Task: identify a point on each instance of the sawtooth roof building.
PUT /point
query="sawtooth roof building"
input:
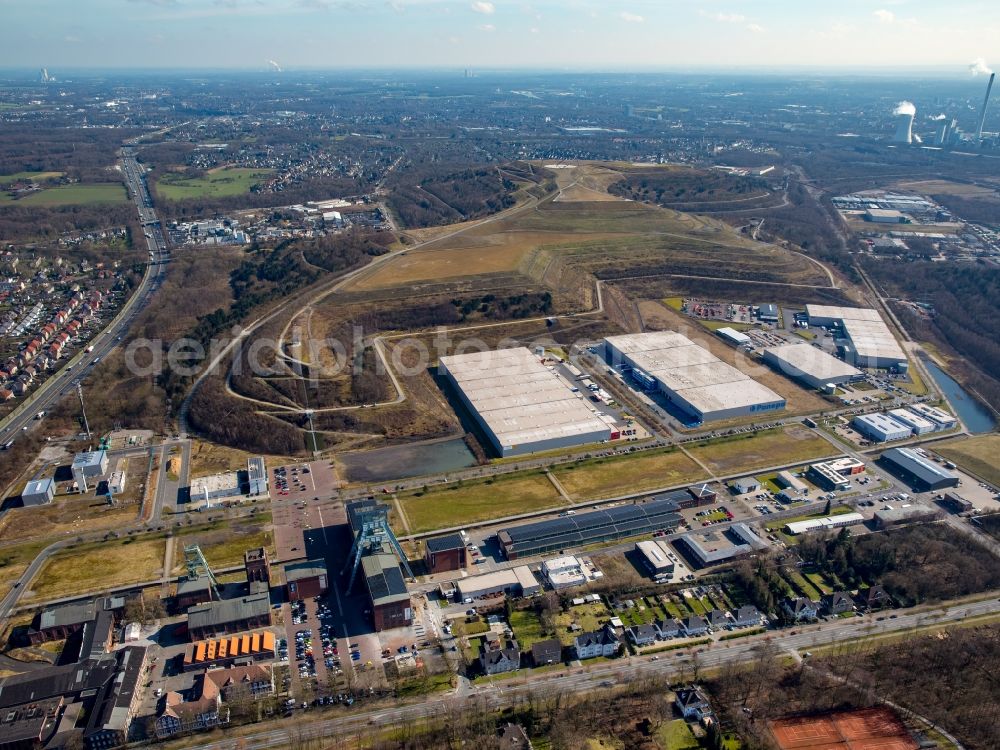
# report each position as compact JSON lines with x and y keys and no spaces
{"x":521,"y":405}
{"x":691,"y":377}
{"x":581,"y":529}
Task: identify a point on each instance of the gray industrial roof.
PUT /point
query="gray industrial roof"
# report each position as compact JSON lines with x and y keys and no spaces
{"x":520,"y":400}
{"x":89,"y":459}
{"x":920,"y":467}
{"x":447,"y":542}
{"x":811,"y":361}
{"x":569,"y":531}
{"x":67,"y":614}
{"x":308,"y":569}
{"x":385,"y":579}
{"x":211,"y":614}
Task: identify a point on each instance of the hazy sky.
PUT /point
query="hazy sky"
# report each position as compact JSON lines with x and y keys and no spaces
{"x":497,"y":33}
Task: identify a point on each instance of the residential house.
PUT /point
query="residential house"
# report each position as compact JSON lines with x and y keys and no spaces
{"x":500,"y":660}
{"x":747,"y":616}
{"x":179,"y":715}
{"x":546,"y":652}
{"x":694,"y":625}
{"x":717,"y":619}
{"x":252,"y":681}
{"x":642,"y":635}
{"x":838,"y":602}
{"x":601,"y":642}
{"x":668,"y":628}
{"x":692,"y":703}
{"x":800,"y":608}
{"x":875,"y":597}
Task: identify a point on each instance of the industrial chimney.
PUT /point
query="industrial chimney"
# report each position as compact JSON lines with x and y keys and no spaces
{"x":986,"y":102}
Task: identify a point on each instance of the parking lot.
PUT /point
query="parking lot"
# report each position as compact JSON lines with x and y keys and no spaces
{"x":307,"y":479}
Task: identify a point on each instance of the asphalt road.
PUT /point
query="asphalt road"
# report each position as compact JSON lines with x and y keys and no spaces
{"x":52,"y":390}
{"x":60,"y":384}
{"x":334,"y":723}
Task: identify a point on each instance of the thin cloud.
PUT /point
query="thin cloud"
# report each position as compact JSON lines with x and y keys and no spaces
{"x":483,"y":7}
{"x":756,"y":28}
{"x":487,"y":27}
{"x":884,"y":16}
{"x":631,"y":17}
{"x":725,"y":17}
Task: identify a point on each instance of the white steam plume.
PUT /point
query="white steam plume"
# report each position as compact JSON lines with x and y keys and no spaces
{"x":979,"y":66}
{"x":905,"y":108}
{"x":940,"y":117}
{"x":274,"y":66}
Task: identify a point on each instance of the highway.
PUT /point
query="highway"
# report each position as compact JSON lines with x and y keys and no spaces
{"x":332,"y":723}
{"x":61,"y":383}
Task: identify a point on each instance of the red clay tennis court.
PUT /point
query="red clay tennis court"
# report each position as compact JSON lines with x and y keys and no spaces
{"x":864,"y":729}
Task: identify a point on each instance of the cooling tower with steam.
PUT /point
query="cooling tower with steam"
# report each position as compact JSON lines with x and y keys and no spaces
{"x":904,"y":114}
{"x":986,"y":103}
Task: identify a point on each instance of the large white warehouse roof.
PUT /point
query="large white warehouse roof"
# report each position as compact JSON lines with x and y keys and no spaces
{"x":692,"y":375}
{"x":811,"y":363}
{"x":520,"y":400}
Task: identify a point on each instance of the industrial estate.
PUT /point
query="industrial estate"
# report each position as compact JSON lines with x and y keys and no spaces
{"x":500,"y":410}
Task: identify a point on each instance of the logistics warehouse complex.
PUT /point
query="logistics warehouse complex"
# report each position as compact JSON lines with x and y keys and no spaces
{"x":521,"y":405}
{"x":690,"y":376}
{"x":811,"y":365}
{"x":867,"y":340}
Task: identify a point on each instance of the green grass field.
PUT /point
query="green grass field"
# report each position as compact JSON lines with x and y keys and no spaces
{"x":71,"y":195}
{"x":99,"y":567}
{"x":220,"y":183}
{"x":779,"y":447}
{"x":977,"y":454}
{"x":36,"y":176}
{"x":634,"y":472}
{"x":676,"y":735}
{"x":527,"y":627}
{"x":455,"y":505}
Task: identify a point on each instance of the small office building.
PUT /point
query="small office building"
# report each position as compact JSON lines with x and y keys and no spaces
{"x":306,"y":580}
{"x":881,"y":427}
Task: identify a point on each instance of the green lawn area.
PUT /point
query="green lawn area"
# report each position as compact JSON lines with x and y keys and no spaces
{"x":799,"y":581}
{"x":588,"y":616}
{"x":672,"y":609}
{"x":620,"y":475}
{"x":71,"y":195}
{"x":676,"y":735}
{"x":770,"y":482}
{"x":99,"y":566}
{"x":462,"y":628}
{"x":455,"y":504}
{"x":36,"y":176}
{"x":641,"y":614}
{"x":695,"y":605}
{"x":217,"y":183}
{"x":230,"y":551}
{"x":818,"y":582}
{"x":674,"y":303}
{"x":777,"y":447}
{"x":977,"y":454}
{"x":527,"y":627}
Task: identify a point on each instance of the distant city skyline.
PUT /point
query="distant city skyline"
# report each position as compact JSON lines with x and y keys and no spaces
{"x":571,"y":34}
